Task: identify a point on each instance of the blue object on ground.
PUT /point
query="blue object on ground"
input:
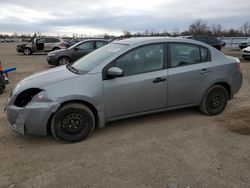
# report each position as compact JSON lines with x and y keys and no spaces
{"x":9,"y":69}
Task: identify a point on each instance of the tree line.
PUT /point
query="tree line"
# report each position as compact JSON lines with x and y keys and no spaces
{"x":200,"y":27}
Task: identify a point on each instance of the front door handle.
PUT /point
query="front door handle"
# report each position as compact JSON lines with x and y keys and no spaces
{"x":159,"y":79}
{"x":204,"y":71}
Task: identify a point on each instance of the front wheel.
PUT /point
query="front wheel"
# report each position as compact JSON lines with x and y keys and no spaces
{"x":1,"y":89}
{"x":27,"y":51}
{"x":73,"y":123}
{"x":214,"y":101}
{"x":63,"y":61}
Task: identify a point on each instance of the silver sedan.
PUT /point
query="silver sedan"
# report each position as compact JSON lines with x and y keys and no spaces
{"x":123,"y":79}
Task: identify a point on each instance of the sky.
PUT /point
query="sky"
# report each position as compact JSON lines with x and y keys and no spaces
{"x":92,"y":17}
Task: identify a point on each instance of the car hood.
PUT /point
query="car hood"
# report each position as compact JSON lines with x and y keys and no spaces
{"x":22,"y":45}
{"x":247,"y":48}
{"x":58,"y":51}
{"x":44,"y":78}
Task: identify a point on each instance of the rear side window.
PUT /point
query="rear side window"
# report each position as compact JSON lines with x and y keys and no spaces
{"x":187,"y":54}
{"x":56,"y":40}
{"x":212,"y":41}
{"x":205,"y":55}
{"x":49,"y":40}
{"x":100,"y":44}
{"x":202,"y":39}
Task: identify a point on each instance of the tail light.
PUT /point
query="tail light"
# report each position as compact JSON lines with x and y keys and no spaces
{"x":238,"y":65}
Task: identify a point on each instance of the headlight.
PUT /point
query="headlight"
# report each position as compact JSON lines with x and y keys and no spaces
{"x":51,"y":54}
{"x":40,"y":97}
{"x":31,"y":95}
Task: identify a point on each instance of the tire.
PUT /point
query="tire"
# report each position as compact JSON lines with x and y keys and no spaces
{"x":214,"y":101}
{"x":1,"y":89}
{"x":27,"y":51}
{"x":63,"y":61}
{"x":56,"y":48}
{"x":72,"y":123}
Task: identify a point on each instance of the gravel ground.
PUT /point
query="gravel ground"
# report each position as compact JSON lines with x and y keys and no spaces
{"x":182,"y":147}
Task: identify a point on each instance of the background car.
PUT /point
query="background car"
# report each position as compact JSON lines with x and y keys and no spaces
{"x":213,"y":41}
{"x":123,"y":79}
{"x":245,"y":44}
{"x":41,"y":44}
{"x":246,"y":53}
{"x":71,"y":54}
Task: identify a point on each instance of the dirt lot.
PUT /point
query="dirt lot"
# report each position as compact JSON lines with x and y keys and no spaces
{"x":182,"y":147}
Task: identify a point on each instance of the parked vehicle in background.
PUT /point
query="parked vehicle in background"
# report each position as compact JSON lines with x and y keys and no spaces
{"x":213,"y":41}
{"x":245,"y":44}
{"x":41,"y":44}
{"x":246,"y":53}
{"x":71,"y":54}
{"x":123,"y":79}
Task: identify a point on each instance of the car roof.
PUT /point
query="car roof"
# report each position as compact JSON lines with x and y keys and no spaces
{"x":145,"y":40}
{"x":95,"y":40}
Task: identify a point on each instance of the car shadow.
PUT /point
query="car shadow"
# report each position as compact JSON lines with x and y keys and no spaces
{"x":143,"y":120}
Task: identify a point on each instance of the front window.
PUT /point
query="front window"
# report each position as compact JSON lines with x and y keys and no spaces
{"x":86,"y":45}
{"x":143,"y":59}
{"x":97,"y":57}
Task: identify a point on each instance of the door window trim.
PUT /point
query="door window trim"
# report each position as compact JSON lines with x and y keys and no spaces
{"x":186,"y":43}
{"x":165,"y":59}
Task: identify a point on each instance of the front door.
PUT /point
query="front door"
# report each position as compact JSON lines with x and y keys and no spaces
{"x":84,"y":49}
{"x":144,"y":84}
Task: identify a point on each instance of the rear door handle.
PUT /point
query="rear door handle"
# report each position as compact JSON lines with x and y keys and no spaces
{"x":204,"y":71}
{"x":159,"y":79}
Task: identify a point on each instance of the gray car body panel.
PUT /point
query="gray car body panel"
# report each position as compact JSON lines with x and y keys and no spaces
{"x":122,"y":97}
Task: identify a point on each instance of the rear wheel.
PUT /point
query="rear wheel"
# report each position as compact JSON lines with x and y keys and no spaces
{"x":214,"y":101}
{"x":27,"y":51}
{"x":63,"y":61}
{"x":73,"y":123}
{"x":1,"y":89}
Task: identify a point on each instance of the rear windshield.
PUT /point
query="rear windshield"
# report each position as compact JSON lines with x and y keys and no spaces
{"x":97,"y":57}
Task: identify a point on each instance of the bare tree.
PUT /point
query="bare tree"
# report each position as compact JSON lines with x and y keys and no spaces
{"x":198,"y":27}
{"x":245,"y":28}
{"x":217,"y":30}
{"x":39,"y":33}
{"x":127,"y":34}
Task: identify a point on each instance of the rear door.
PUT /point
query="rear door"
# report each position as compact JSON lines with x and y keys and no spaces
{"x":188,"y":73}
{"x":48,"y":45}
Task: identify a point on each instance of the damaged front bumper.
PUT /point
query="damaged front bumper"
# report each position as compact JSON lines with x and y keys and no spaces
{"x":31,"y":119}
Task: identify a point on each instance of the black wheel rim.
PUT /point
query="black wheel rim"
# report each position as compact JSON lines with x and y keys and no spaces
{"x":216,"y":100}
{"x":73,"y":124}
{"x":27,"y":51}
{"x":63,"y":61}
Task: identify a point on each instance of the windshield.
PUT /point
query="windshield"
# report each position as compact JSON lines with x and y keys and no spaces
{"x":95,"y":58}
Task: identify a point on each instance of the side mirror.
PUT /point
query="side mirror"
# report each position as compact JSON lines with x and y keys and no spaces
{"x":114,"y":72}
